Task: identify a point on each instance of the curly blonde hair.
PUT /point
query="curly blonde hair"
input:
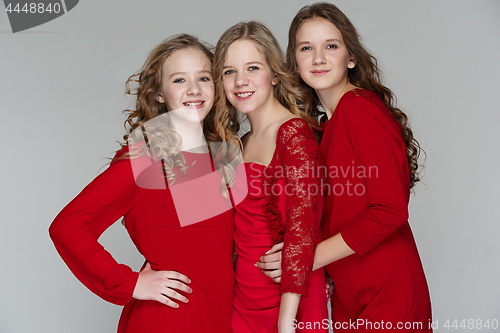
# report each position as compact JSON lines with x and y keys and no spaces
{"x":365,"y":74}
{"x":287,"y":91}
{"x":161,"y":140}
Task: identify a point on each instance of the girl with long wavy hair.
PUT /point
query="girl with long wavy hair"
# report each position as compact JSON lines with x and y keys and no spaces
{"x":187,"y":282}
{"x":283,"y":202}
{"x":371,"y":159}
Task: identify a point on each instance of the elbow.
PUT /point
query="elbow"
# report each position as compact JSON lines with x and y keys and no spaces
{"x":56,"y":230}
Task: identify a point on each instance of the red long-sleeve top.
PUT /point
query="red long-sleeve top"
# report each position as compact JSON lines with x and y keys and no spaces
{"x":366,"y":201}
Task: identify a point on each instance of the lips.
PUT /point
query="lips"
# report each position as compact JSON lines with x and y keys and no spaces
{"x":196,"y":104}
{"x":244,"y":95}
{"x":320,"y":72}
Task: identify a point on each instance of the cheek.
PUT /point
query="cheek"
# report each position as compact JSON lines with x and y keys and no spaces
{"x":263,"y":81}
{"x":301,"y":61}
{"x":227,"y":84}
{"x":210,"y":91}
{"x":172,"y":93}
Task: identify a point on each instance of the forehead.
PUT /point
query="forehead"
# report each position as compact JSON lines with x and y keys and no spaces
{"x":186,"y":60}
{"x":317,"y":29}
{"x":244,"y":51}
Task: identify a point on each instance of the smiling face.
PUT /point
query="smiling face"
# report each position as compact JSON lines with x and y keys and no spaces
{"x":247,"y":78}
{"x":322,"y":57}
{"x":187,"y":82}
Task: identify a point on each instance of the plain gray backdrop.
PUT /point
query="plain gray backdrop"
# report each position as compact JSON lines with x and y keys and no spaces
{"x":62,"y":93}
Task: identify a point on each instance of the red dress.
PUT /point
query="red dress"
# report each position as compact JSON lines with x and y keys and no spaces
{"x":366,"y":200}
{"x":202,"y":251}
{"x":279,"y":208}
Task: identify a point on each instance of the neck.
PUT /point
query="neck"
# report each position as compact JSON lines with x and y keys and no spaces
{"x":185,"y":122}
{"x":192,"y":137}
{"x":330,"y":98}
{"x":264,"y":116}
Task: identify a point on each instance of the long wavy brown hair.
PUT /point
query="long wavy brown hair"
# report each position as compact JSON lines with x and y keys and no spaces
{"x":287,"y":91}
{"x":365,"y":74}
{"x":162,"y":141}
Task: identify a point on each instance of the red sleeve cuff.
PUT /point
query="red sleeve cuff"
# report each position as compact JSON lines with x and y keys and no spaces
{"x":121,"y":280}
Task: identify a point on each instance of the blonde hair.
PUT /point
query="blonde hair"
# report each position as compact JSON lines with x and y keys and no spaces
{"x":162,"y":141}
{"x":286,"y":91}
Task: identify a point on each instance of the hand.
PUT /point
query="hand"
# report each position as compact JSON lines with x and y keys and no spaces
{"x":270,"y":264}
{"x":159,"y":286}
{"x":329,"y":287}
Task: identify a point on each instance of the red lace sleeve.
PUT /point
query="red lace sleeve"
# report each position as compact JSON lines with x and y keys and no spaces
{"x":300,"y":157}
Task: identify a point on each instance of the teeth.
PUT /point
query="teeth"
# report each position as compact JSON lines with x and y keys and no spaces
{"x":193,"y":104}
{"x":245,"y":95}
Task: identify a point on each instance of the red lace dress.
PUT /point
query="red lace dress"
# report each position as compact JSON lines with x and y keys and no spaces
{"x":202,"y":251}
{"x":283,"y":204}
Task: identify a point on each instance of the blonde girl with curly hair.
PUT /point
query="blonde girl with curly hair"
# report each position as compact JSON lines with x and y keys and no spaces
{"x":283,"y":204}
{"x":186,"y":284}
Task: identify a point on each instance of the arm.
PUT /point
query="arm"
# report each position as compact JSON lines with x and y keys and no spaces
{"x":77,"y":227}
{"x":375,"y":143}
{"x":330,"y":250}
{"x":300,"y":156}
{"x":288,"y":311}
{"x":76,"y":230}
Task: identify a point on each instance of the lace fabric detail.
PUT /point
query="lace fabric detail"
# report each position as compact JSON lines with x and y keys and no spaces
{"x":297,"y":162}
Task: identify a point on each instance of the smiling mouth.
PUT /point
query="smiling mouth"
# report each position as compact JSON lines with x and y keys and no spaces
{"x":194,"y":104}
{"x":244,"y":95}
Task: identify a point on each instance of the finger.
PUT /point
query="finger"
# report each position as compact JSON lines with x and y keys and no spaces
{"x":271,"y":257}
{"x":172,"y":294}
{"x":175,"y":284}
{"x":276,"y":248}
{"x":272,"y":274}
{"x":268,"y":265}
{"x":177,"y":276}
{"x":167,"y":301}
{"x":277,"y":280}
{"x":147,"y":267}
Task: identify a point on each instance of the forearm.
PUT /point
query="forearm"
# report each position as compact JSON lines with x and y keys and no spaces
{"x":288,"y":311}
{"x":330,"y":250}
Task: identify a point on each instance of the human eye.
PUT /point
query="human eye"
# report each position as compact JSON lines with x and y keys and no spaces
{"x":205,"y":79}
{"x":332,"y":46}
{"x":179,"y":80}
{"x":229,"y":71}
{"x":253,"y":68}
{"x":305,"y":48}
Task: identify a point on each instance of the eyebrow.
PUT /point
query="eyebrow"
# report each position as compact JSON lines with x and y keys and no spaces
{"x":183,"y":73}
{"x":328,"y":40}
{"x":248,"y":63}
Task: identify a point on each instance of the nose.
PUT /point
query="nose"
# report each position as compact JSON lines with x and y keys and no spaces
{"x":241,"y":79}
{"x":194,"y":89}
{"x":319,"y":58}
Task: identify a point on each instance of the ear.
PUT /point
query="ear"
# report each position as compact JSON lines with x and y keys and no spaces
{"x":275,"y":79}
{"x":160,"y":98}
{"x":352,"y":63}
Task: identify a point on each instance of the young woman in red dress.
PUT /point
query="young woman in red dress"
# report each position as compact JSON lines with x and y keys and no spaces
{"x":371,"y":161}
{"x":283,"y":202}
{"x":187,"y":284}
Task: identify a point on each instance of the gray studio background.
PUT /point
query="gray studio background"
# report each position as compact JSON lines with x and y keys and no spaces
{"x":62,"y":93}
